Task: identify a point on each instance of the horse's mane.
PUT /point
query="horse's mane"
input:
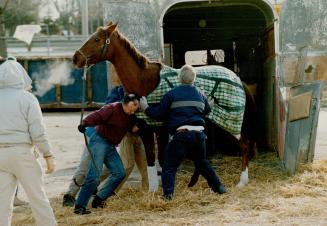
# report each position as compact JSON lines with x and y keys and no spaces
{"x":139,"y":58}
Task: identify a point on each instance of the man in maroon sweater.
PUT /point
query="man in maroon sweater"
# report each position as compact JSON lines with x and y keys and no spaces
{"x":105,"y":129}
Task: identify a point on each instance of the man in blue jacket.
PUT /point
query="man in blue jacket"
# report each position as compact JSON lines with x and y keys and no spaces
{"x":184,"y":109}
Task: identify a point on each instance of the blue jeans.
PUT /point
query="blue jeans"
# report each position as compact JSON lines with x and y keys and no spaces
{"x":103,"y":152}
{"x":189,"y":144}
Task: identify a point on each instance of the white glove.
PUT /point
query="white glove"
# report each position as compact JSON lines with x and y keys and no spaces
{"x":50,"y":164}
{"x":211,"y":101}
{"x":36,"y":153}
{"x":143,"y":103}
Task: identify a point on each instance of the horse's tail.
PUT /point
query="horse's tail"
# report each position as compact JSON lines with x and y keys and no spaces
{"x":251,"y":105}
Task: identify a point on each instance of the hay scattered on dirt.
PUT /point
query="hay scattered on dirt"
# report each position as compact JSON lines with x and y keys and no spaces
{"x":271,"y":198}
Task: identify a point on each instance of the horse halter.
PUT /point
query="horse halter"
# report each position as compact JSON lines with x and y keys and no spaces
{"x":85,"y":57}
{"x":106,"y":45}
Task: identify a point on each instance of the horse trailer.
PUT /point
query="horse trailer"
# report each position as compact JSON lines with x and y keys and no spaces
{"x":278,"y":47}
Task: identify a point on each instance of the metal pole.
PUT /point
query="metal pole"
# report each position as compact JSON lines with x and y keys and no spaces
{"x":48,"y":39}
{"x":85,"y":18}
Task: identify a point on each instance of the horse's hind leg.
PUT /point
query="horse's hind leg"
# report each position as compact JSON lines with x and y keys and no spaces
{"x":162,"y":137}
{"x":194,"y":178}
{"x":244,"y":147}
{"x":148,"y":142}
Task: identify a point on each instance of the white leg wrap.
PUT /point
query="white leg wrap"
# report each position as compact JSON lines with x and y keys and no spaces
{"x":244,"y":179}
{"x":153,"y":178}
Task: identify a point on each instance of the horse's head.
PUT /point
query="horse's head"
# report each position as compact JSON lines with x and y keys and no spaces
{"x":96,"y":48}
{"x":137,"y":74}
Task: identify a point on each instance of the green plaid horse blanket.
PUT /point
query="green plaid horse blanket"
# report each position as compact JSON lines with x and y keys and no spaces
{"x":215,"y":81}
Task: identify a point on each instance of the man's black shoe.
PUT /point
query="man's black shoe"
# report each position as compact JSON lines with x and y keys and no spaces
{"x":168,"y":197}
{"x":221,"y":189}
{"x":98,"y":202}
{"x":81,"y":210}
{"x":68,"y":200}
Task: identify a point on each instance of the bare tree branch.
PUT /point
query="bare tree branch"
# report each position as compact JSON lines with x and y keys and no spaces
{"x":56,"y":4}
{"x":2,"y":9}
{"x":5,"y":6}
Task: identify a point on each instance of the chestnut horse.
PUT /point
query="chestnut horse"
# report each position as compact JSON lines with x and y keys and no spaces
{"x":137,"y":74}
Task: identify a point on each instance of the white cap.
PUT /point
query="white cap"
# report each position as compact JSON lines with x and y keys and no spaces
{"x":187,"y":74}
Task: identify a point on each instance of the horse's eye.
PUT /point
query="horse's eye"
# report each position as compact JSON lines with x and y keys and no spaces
{"x":97,"y":39}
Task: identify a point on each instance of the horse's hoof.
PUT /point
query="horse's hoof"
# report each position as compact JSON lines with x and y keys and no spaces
{"x":240,"y":185}
{"x":244,"y":179}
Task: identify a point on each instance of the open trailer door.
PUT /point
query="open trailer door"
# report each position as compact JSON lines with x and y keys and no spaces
{"x":301,"y":124}
{"x":300,"y":38}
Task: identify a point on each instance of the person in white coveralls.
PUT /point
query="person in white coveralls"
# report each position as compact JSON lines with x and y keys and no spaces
{"x":21,"y":129}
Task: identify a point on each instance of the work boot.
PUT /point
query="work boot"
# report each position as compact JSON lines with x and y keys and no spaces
{"x":168,"y":197}
{"x":18,"y":202}
{"x":221,"y":189}
{"x":80,"y":210}
{"x":68,"y":200}
{"x":98,"y":202}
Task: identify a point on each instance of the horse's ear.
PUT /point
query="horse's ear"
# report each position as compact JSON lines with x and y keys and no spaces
{"x":109,"y":23}
{"x":113,"y":27}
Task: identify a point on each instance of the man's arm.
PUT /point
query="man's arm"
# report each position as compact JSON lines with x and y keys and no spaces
{"x":208,"y":104}
{"x":161,"y":110}
{"x":98,"y":117}
{"x":116,"y":95}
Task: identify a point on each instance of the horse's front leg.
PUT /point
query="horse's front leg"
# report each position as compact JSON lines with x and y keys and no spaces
{"x":244,"y":178}
{"x":149,"y":145}
{"x":244,"y":147}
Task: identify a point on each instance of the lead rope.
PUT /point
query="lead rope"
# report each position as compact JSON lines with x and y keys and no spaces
{"x":81,"y":120}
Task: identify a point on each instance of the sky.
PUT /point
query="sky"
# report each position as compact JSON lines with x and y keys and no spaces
{"x":49,"y":9}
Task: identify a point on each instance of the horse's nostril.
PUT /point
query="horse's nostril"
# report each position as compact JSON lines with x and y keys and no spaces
{"x":78,"y":59}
